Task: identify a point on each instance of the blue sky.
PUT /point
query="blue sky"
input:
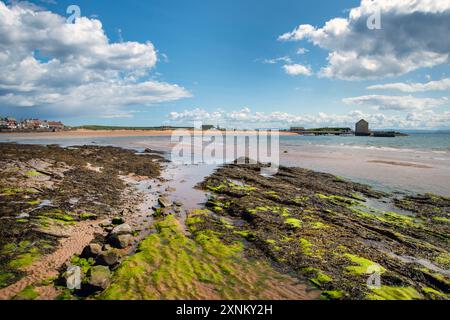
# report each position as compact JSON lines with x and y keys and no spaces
{"x":218,"y":52}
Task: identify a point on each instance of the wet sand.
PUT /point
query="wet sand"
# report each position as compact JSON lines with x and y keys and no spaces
{"x":390,"y":170}
{"x":401,"y":164}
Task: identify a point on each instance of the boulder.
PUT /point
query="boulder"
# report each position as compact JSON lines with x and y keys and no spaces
{"x":105,"y":223}
{"x":99,"y":277}
{"x":122,"y":229}
{"x":178,"y":203}
{"x":177,"y":209}
{"x":92,"y":250}
{"x":108,"y":258}
{"x":164,"y":202}
{"x":73,"y":278}
{"x":121,"y":241}
{"x":118,"y":221}
{"x":148,"y":150}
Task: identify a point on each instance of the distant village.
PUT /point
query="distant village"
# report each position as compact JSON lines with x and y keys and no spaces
{"x":10,"y":124}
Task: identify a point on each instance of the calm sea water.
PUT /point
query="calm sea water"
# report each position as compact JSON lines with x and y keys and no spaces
{"x":439,"y":142}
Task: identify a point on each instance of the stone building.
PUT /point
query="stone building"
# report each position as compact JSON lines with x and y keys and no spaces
{"x":362,"y":128}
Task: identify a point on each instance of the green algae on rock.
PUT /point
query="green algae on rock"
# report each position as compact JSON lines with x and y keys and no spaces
{"x":394,"y":293}
{"x":363,"y":266}
{"x":46,"y":190}
{"x":328,"y":233}
{"x":28,"y":293}
{"x":171,"y":265}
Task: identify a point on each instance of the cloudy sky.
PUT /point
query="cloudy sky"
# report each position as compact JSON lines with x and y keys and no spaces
{"x":252,"y":63}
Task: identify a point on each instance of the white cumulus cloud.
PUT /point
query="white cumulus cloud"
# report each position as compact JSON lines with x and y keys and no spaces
{"x":301,"y":51}
{"x":245,"y":119}
{"x":413,"y":35}
{"x":73,"y":69}
{"x":396,"y":103}
{"x":284,"y":59}
{"x":297,"y":69}
{"x":439,"y":85}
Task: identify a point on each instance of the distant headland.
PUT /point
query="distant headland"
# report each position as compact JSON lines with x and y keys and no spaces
{"x":11,"y":125}
{"x":361,"y":130}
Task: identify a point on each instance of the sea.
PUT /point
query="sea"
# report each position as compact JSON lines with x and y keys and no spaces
{"x":415,"y":141}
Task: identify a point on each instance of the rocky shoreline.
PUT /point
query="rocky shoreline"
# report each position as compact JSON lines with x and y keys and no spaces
{"x":55,"y":201}
{"x":77,"y":224}
{"x":338,"y":234}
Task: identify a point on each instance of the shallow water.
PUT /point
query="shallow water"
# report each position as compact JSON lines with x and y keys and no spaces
{"x":386,"y":205}
{"x":416,"y":141}
{"x":184,"y":179}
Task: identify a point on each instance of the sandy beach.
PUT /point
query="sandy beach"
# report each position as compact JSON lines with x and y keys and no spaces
{"x":418,"y":171}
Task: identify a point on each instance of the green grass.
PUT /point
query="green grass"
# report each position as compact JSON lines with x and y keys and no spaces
{"x":96,"y":127}
{"x":337,"y":129}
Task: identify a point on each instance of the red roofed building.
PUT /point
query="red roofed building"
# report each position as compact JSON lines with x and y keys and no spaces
{"x":55,"y":125}
{"x":32,"y":124}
